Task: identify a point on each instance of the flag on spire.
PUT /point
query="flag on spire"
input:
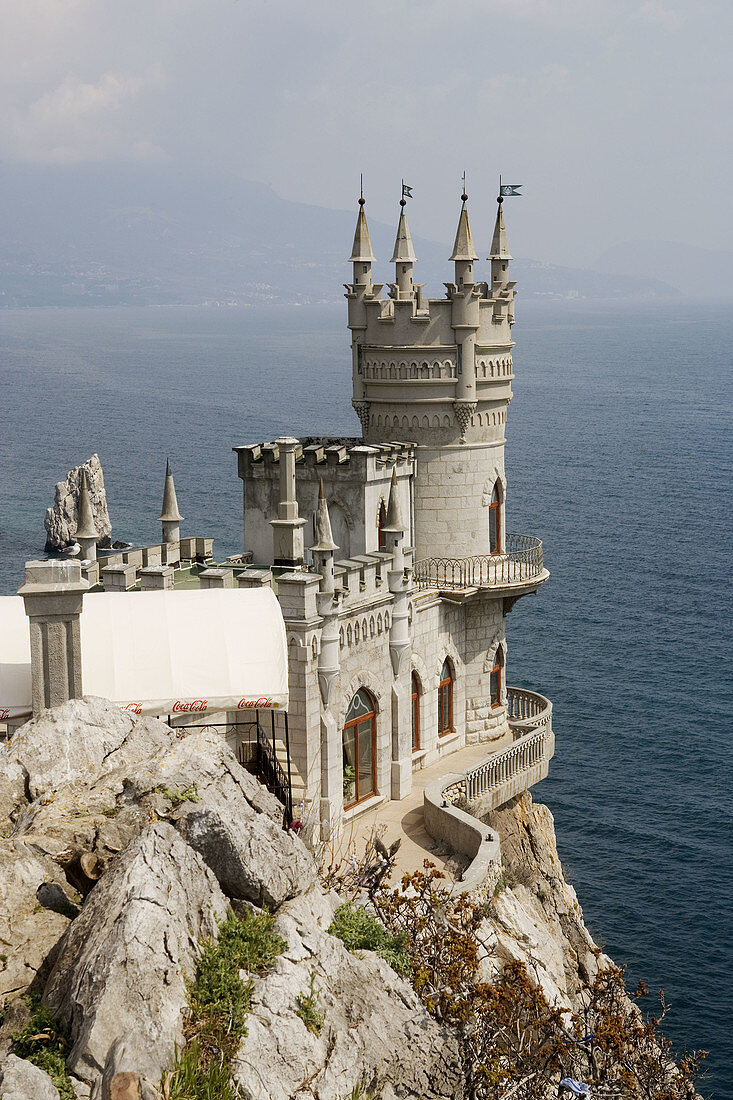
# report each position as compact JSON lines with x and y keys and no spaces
{"x":406,"y":191}
{"x":508,"y":190}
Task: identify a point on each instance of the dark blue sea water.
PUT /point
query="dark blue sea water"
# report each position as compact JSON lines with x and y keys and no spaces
{"x":618,"y":457}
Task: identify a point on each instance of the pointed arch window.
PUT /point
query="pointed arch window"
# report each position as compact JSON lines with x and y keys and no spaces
{"x":415,"y":681}
{"x":495,"y":520}
{"x":381,"y":524}
{"x":445,"y":699}
{"x":497,"y":673}
{"x":359,"y":747}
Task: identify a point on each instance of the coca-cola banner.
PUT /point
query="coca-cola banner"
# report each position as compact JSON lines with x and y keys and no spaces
{"x":184,"y":653}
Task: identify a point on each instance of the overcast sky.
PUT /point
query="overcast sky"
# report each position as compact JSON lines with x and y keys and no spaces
{"x":615,"y":115}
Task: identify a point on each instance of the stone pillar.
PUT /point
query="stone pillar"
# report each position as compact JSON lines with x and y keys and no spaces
{"x":218,"y":577}
{"x":53,"y":593}
{"x":401,"y":774}
{"x":288,"y":541}
{"x":255,"y":578}
{"x":118,"y":578}
{"x":156,"y":578}
{"x":331,"y":776}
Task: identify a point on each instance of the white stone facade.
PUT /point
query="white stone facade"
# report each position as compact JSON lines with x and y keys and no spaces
{"x":425,"y":484}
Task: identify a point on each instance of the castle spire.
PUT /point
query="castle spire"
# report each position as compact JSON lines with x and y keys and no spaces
{"x":463,"y":253}
{"x":324,"y":537}
{"x":361,"y":253}
{"x":170,"y":517}
{"x":403,"y":256}
{"x":86,"y":531}
{"x":500,"y":254}
{"x":395,"y":524}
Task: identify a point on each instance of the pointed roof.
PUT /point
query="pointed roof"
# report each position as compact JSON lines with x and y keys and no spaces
{"x":499,"y":246}
{"x":362,"y":249}
{"x":324,"y":536}
{"x":463,"y":248}
{"x":85,"y":526}
{"x":394,"y":512}
{"x":403,"y":250}
{"x":169,"y":512}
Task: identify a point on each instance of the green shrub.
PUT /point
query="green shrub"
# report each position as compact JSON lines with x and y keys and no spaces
{"x":218,"y":1005}
{"x":308,"y":1009}
{"x":45,"y":1043}
{"x":359,"y":931}
{"x":178,"y":795}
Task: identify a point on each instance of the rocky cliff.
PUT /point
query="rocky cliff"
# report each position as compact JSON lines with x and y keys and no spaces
{"x":131,"y":851}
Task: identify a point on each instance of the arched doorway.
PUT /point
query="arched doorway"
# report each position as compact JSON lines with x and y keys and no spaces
{"x":359,"y":742}
{"x":445,"y":699}
{"x":495,"y":520}
{"x":415,"y":682}
{"x":496,"y":677}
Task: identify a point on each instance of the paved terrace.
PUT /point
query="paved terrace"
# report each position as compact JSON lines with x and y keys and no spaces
{"x":405,"y":818}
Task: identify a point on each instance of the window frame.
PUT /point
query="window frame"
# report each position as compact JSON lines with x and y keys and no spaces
{"x":445,"y":686}
{"x":497,"y":670}
{"x":495,"y":508}
{"x":355,"y":723}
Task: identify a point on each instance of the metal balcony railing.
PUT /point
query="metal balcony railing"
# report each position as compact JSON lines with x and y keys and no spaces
{"x":521,"y":561}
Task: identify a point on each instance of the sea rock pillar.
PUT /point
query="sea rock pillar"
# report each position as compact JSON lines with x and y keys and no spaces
{"x":53,"y":593}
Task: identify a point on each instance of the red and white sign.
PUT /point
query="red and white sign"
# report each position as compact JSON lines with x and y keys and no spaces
{"x":256,"y":704}
{"x":197,"y":706}
{"x":4,"y":714}
{"x":136,"y":708}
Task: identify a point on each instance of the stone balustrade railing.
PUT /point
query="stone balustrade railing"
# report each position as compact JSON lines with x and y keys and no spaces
{"x":520,"y":562}
{"x":489,"y":784}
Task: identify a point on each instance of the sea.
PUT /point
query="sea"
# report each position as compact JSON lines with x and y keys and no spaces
{"x":618,"y":458}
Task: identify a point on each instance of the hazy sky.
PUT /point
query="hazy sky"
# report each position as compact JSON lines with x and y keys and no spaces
{"x":614,"y":114}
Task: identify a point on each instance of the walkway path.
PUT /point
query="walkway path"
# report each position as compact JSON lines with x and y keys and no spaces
{"x":405,"y":818}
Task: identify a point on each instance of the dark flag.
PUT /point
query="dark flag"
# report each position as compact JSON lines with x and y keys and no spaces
{"x":507,"y":190}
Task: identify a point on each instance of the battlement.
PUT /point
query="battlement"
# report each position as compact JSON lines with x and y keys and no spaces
{"x":358,"y":459}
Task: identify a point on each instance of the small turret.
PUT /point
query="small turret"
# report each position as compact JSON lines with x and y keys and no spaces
{"x":327,"y":601}
{"x":403,"y":257}
{"x":500,"y":254}
{"x":362,"y":256}
{"x":463,"y":253}
{"x":170,"y":517}
{"x":86,"y":531}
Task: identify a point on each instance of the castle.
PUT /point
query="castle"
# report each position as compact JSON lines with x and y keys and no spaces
{"x":393,"y":565}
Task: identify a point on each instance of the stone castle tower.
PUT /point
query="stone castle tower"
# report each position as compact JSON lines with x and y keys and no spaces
{"x":438,"y":372}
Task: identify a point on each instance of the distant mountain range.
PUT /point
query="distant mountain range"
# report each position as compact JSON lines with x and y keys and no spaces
{"x":121,"y":235}
{"x":695,"y":272}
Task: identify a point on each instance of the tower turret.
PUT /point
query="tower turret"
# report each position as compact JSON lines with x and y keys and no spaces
{"x":170,"y":517}
{"x":464,"y":295}
{"x":362,"y":256}
{"x":86,"y":531}
{"x":500,"y":254}
{"x":327,"y":602}
{"x":463,"y":253}
{"x":403,"y":258}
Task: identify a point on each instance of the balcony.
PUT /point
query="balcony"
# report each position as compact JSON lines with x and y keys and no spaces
{"x":519,"y":569}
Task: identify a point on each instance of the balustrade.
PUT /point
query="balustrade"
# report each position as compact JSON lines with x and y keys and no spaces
{"x":521,"y":561}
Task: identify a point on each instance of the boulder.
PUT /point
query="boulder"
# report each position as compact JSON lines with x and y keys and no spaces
{"x":28,"y":928}
{"x":121,"y":967}
{"x":21,"y":1080}
{"x":60,"y":521}
{"x":375,"y":1029}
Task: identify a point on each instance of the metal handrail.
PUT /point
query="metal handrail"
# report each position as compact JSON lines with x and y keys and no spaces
{"x":521,"y":561}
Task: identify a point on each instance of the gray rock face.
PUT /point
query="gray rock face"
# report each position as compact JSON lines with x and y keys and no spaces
{"x":28,"y":930}
{"x":60,"y":521}
{"x":21,"y":1080}
{"x":121,"y":966}
{"x":375,"y":1029}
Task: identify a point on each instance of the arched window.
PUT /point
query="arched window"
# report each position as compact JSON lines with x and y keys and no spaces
{"x":495,"y":521}
{"x":496,"y":676}
{"x":415,"y":712}
{"x":445,"y":700}
{"x":359,"y":749}
{"x":381,"y":524}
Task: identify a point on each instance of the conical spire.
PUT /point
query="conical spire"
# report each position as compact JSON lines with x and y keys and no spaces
{"x":499,"y":246}
{"x":169,"y":512}
{"x":394,"y":512}
{"x":324,"y":537}
{"x":463,"y":248}
{"x":85,"y":527}
{"x":403,"y":250}
{"x":362,"y":250}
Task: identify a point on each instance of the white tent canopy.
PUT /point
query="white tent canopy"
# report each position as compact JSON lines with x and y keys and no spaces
{"x":199,"y":652}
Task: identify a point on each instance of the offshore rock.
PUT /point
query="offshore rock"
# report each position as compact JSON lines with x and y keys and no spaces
{"x":60,"y":521}
{"x":122,"y":966}
{"x":375,"y":1031}
{"x":21,"y":1080}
